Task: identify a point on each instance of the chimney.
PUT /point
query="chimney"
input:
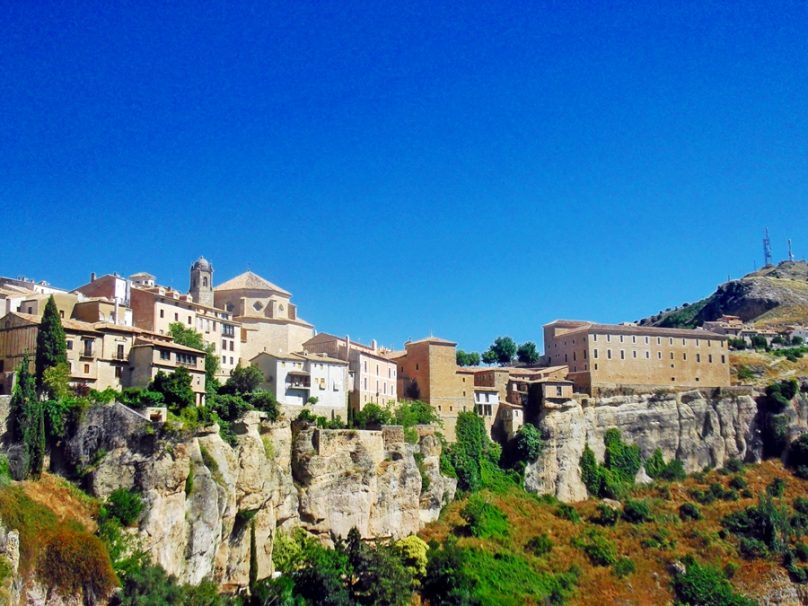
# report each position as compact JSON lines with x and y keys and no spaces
{"x":92,"y":277}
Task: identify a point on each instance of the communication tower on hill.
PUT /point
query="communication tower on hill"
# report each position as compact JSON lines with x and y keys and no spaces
{"x":767,"y":248}
{"x":790,"y":252}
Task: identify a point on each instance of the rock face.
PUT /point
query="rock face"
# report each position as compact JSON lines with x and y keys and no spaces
{"x":203,"y":497}
{"x":698,"y":429}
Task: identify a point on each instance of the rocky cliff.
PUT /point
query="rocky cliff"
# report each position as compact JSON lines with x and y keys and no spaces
{"x":202,"y":496}
{"x":699,"y":429}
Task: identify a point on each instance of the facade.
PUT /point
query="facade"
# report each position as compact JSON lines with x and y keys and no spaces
{"x":428,"y":371}
{"x":267,"y":316}
{"x":202,"y":282}
{"x":373,"y":377}
{"x":152,"y":354}
{"x":155,"y":308}
{"x":604,"y":356}
{"x":486,"y":405}
{"x":294,"y":379}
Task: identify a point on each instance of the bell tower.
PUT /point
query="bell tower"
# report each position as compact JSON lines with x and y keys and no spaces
{"x":202,"y":282}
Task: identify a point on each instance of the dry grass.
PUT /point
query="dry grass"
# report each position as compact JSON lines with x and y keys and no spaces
{"x":774,"y":368}
{"x":649,"y":585}
{"x":64,"y":500}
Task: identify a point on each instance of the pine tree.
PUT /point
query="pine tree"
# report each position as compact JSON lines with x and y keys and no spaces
{"x":51,"y":347}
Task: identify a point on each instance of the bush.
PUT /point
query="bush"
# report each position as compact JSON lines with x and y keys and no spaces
{"x":615,"y":477}
{"x":415,"y":412}
{"x":621,"y":458}
{"x":657,"y":468}
{"x":765,"y":522}
{"x":752,"y":548}
{"x":527,"y":443}
{"x":798,"y":452}
{"x":372,"y":416}
{"x":540,"y":545}
{"x":446,"y":580}
{"x":600,"y":550}
{"x":689,"y":511}
{"x":777,"y":487}
{"x":266,"y":402}
{"x":703,"y":585}
{"x":484,"y":519}
{"x":607,"y":515}
{"x":738,"y":483}
{"x":124,"y":506}
{"x":623,"y":567}
{"x":636,"y":512}
{"x":567,"y":512}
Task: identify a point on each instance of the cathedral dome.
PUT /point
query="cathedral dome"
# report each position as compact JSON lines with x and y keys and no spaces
{"x":202,"y":264}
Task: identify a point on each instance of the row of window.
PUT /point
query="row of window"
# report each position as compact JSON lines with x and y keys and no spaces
{"x":182,"y":358}
{"x":390,"y":371}
{"x":384,"y":387}
{"x":646,"y":340}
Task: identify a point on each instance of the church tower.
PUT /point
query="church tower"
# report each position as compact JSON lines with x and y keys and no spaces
{"x":202,"y":282}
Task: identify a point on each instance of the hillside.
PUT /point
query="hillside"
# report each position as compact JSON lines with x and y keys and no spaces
{"x":772,"y":295}
{"x":631,"y":562}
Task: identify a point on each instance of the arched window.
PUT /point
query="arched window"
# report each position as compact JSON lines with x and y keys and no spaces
{"x":205,"y":281}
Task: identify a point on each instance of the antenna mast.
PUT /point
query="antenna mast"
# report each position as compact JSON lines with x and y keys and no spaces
{"x":767,"y":248}
{"x":790,"y":252}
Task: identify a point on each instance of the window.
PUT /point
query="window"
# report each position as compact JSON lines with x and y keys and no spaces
{"x":684,"y":356}
{"x":723,"y":359}
{"x":595,"y":353}
{"x":710,"y":358}
{"x":671,"y":355}
{"x":659,"y":340}
{"x":647,"y":355}
{"x":176,"y":316}
{"x":190,"y":321}
{"x":205,"y":281}
{"x":573,"y":357}
{"x":69,"y":344}
{"x":165,"y":355}
{"x":698,"y":358}
{"x":232,"y":344}
{"x":621,"y":338}
{"x":187,"y":359}
{"x":646,"y":340}
{"x":670,"y":341}
{"x":119,"y":352}
{"x":609,"y":354}
{"x":86,"y":369}
{"x":62,"y":314}
{"x":565,"y":357}
{"x":366,"y":382}
{"x":622,"y":354}
{"x":118,"y":372}
{"x":659,"y":355}
{"x":633,"y":339}
{"x":377,"y":370}
{"x":634,"y":353}
{"x":88,"y":347}
{"x":684,"y":342}
{"x":231,"y":360}
{"x":608,"y":338}
{"x":365,"y":366}
{"x":224,"y":359}
{"x":558,"y":390}
{"x":224,"y":345}
{"x":594,"y":337}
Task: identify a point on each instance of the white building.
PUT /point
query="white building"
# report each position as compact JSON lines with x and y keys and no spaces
{"x":305,"y":379}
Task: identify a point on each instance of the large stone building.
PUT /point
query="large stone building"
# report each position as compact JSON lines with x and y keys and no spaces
{"x":266,"y":314}
{"x":374,"y":377}
{"x":605,"y":356}
{"x":428,"y":371}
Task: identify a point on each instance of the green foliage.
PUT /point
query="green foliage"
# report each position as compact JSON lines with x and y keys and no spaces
{"x":413,"y":551}
{"x":766,"y":522}
{"x":774,"y":432}
{"x":684,"y":317}
{"x":289,"y":550}
{"x":540,"y":545}
{"x":615,"y":477}
{"x":138,"y":398}
{"x":243,"y":379}
{"x":372,"y":416}
{"x":527,"y":444}
{"x":124,"y":506}
{"x":777,"y":487}
{"x":568,"y":512}
{"x":489,"y":357}
{"x":623,"y":567}
{"x":657,"y":468}
{"x":189,"y":481}
{"x":758,"y":342}
{"x":798,"y":455}
{"x":484,"y":519}
{"x":175,"y":389}
{"x":56,"y":381}
{"x":703,"y":585}
{"x":621,"y":458}
{"x":467,"y":358}
{"x":589,"y":471}
{"x":636,"y":511}
{"x":745,"y":373}
{"x":503,"y":350}
{"x":689,"y":511}
{"x":149,"y":585}
{"x":208,"y":460}
{"x":28,"y":421}
{"x":738,"y":483}
{"x":607,"y":515}
{"x":527,"y":353}
{"x":51,"y":346}
{"x":736,"y":343}
{"x":447,"y":580}
{"x":419,"y":462}
{"x":780,"y":394}
{"x":266,"y":402}
{"x":600,"y":550}
{"x":468,"y":451}
{"x":415,"y":412}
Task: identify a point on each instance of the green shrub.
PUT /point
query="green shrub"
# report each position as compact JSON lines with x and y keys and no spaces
{"x":607,"y":515}
{"x":124,"y":505}
{"x":540,"y":545}
{"x":568,"y":512}
{"x":801,"y":551}
{"x":734,"y":465}
{"x":447,"y":580}
{"x":703,"y":585}
{"x":798,"y":452}
{"x":621,"y":458}
{"x":589,"y":472}
{"x":372,"y":416}
{"x":801,"y":505}
{"x":777,"y":487}
{"x":765,"y":522}
{"x":689,"y":511}
{"x":657,"y":468}
{"x":752,"y":548}
{"x":484,"y":519}
{"x":623,"y":567}
{"x":738,"y":483}
{"x":636,"y":511}
{"x":189,"y":481}
{"x":600,"y":550}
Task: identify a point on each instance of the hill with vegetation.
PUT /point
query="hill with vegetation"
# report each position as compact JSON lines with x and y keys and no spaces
{"x":772,"y":295}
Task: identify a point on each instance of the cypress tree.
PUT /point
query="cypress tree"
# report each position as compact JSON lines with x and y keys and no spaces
{"x":24,"y":393}
{"x":37,"y":438}
{"x":51,"y":346}
{"x":28,"y":419}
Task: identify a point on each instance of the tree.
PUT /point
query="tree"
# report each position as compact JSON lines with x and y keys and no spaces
{"x":489,"y":357}
{"x":528,"y":443}
{"x":372,"y":416}
{"x":28,"y":418}
{"x":244,"y":379}
{"x":796,"y":340}
{"x":467,"y":358}
{"x":188,"y":337}
{"x":51,"y":346}
{"x":176,"y":389}
{"x":503,"y":349}
{"x":527,"y":353}
{"x":759,"y":342}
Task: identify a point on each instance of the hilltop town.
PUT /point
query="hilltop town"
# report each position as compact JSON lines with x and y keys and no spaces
{"x":122,"y":331}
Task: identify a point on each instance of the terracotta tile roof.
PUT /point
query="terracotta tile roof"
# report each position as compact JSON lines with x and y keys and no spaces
{"x":301,"y":356}
{"x":167,"y":345}
{"x":436,"y":340}
{"x":250,"y":281}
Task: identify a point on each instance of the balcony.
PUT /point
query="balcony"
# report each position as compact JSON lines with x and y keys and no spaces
{"x":298,"y":380}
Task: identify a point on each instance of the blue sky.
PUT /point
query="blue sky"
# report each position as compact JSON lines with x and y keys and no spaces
{"x":408,"y":168}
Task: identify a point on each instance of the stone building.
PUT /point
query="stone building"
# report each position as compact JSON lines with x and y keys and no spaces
{"x":605,"y":356}
{"x":201,"y":288}
{"x":428,"y":371}
{"x":373,"y":377}
{"x":268,"y":318}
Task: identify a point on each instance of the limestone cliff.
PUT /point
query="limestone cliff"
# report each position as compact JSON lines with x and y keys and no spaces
{"x":697,"y":428}
{"x":202,"y":495}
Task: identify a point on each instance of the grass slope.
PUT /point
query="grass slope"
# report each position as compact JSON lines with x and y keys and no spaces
{"x":509,"y":573}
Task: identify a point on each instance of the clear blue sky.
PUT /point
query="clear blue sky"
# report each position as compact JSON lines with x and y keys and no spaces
{"x":405,"y":168}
